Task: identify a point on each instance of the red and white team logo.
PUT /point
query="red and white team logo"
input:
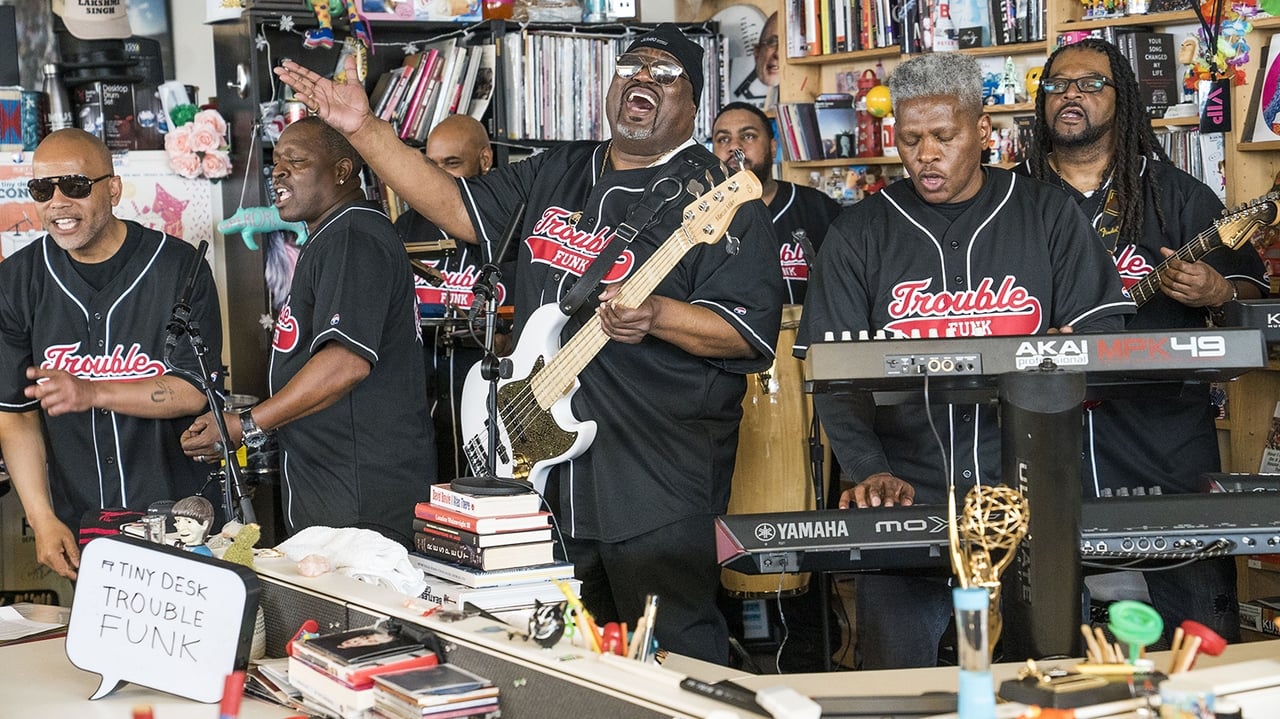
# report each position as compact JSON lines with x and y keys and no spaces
{"x":285,"y":338}
{"x":1131,"y":266}
{"x":118,"y":364}
{"x":455,"y":292}
{"x":1005,"y":310}
{"x":794,"y":266}
{"x":557,"y":242}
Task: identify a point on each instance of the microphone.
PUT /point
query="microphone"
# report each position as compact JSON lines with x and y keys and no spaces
{"x":182,"y":308}
{"x":484,"y":288}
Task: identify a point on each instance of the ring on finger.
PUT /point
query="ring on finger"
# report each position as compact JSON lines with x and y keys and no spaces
{"x":199,"y":458}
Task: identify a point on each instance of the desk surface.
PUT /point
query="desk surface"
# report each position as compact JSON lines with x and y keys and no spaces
{"x":37,"y":679}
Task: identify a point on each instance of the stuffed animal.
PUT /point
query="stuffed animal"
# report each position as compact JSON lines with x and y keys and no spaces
{"x":324,"y":11}
{"x":250,"y":221}
{"x":241,"y":549}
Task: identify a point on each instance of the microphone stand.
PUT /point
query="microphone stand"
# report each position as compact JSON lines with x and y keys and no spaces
{"x":492,"y":369}
{"x":236,"y":504}
{"x":233,"y":494}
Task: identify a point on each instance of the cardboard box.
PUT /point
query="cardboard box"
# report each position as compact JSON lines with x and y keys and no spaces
{"x":1260,"y":615}
{"x":20,"y":574}
{"x":126,"y":116}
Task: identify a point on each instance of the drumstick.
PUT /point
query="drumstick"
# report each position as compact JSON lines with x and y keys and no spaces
{"x":1092,"y":652}
{"x":1103,"y":645}
{"x":1176,"y":648}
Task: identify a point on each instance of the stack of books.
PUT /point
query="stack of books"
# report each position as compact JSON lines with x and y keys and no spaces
{"x":335,"y":672}
{"x":494,"y":552}
{"x":437,"y":692}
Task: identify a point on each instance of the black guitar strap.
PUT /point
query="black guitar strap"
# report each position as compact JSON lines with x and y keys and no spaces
{"x":690,"y":163}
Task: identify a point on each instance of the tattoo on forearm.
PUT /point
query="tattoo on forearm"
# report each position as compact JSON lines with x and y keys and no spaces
{"x":162,"y":392}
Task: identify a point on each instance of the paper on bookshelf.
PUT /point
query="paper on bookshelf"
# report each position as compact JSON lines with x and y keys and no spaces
{"x":1271,"y":451}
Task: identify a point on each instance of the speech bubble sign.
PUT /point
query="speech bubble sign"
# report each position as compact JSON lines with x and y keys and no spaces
{"x":160,"y":617}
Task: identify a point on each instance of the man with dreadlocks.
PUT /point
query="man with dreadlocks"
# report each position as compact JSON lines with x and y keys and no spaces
{"x":1094,"y":140}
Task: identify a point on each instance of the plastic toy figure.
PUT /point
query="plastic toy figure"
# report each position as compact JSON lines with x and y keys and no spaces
{"x":193,"y":517}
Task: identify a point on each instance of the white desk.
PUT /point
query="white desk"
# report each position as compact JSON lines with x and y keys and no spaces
{"x":37,"y":680}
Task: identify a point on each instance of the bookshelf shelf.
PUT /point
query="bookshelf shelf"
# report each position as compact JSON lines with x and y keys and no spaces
{"x":1159,"y":18}
{"x":1017,"y":48}
{"x":1176,"y":121}
{"x":839,"y":57}
{"x":1268,"y":146}
{"x":1265,"y":23}
{"x":1015,"y":107}
{"x":845,"y":162}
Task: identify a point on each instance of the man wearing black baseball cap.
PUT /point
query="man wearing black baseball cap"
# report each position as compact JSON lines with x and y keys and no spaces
{"x":637,"y":504}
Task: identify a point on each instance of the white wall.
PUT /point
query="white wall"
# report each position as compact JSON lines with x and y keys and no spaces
{"x":193,"y":65}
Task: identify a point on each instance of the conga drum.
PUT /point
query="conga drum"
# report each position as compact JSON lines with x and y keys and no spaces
{"x":772,"y":473}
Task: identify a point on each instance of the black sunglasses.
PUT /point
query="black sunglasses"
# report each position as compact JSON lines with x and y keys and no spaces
{"x":75,"y":187}
{"x":1088,"y":84}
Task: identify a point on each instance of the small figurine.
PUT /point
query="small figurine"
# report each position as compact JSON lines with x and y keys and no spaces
{"x":1032,"y":79}
{"x":192,"y":517}
{"x":1009,"y":86}
{"x":1188,"y":51}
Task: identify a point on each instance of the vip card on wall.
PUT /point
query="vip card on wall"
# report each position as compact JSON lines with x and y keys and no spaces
{"x":160,"y":617}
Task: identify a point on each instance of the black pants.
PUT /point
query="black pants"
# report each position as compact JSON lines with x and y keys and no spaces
{"x":677,"y":563}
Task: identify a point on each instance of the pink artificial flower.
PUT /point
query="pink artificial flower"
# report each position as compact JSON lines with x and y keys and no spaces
{"x":203,"y":138}
{"x":213,"y":120}
{"x":187,"y":165}
{"x":177,"y":141}
{"x":217,"y":164}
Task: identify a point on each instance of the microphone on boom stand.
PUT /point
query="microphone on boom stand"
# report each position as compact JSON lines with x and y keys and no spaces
{"x":492,"y":368}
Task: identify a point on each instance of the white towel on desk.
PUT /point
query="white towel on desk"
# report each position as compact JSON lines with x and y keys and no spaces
{"x":360,"y":553}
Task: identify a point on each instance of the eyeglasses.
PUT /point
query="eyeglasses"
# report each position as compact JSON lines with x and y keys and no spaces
{"x":663,"y":72}
{"x":1088,"y":84}
{"x":770,"y":43}
{"x":75,"y":187}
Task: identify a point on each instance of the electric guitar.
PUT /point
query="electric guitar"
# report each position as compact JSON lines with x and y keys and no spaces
{"x":1231,"y":230}
{"x":536,"y":426}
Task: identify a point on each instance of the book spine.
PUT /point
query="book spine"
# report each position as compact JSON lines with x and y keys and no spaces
{"x":449,"y":551}
{"x":442,"y":496}
{"x":442,"y":516}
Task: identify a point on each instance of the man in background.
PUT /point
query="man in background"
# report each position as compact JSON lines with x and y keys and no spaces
{"x":801,"y":215}
{"x":1094,"y":140}
{"x":90,"y":416}
{"x":958,"y":249}
{"x":460,"y":146}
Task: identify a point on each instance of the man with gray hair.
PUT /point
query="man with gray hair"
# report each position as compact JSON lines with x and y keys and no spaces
{"x":959,"y":250}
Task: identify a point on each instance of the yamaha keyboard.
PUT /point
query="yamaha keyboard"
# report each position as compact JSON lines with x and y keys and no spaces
{"x":1177,"y":526}
{"x":976,"y":362}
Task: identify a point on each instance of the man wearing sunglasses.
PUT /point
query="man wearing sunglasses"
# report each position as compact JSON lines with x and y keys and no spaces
{"x":1094,"y":140}
{"x":83,"y":387}
{"x":637,"y":507}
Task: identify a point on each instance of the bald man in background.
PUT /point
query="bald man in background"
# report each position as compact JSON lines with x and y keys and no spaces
{"x":459,"y":145}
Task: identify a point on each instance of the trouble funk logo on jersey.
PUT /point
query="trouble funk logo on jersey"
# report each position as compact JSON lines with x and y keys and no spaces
{"x":285,"y":338}
{"x":558,"y":243}
{"x":984,"y":310}
{"x":456,"y":291}
{"x":119,"y":363}
{"x":794,"y":265}
{"x":1131,"y":266}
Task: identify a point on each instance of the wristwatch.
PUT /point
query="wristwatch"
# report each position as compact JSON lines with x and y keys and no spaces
{"x":251,"y":434}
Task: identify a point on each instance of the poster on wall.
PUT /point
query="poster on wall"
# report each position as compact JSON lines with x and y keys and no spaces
{"x":152,"y":195}
{"x":753,"y":52}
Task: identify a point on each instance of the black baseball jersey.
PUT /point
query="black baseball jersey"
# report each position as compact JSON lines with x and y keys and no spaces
{"x":51,"y":317}
{"x":366,"y":459}
{"x":796,"y":209}
{"x":1018,"y":260}
{"x":667,"y":421}
{"x":1165,"y":442}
